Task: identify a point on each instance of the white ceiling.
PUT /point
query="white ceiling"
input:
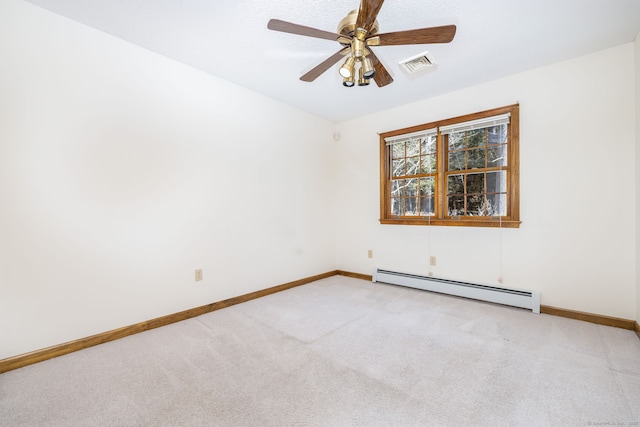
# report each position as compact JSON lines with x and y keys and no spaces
{"x":230,"y":39}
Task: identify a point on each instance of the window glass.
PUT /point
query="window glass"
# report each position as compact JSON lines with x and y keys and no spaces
{"x":476,"y":181}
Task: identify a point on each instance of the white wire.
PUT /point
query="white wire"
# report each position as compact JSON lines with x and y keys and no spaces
{"x":501,"y":277}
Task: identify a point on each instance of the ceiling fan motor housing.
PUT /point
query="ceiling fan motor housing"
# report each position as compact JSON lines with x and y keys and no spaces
{"x":347,"y":26}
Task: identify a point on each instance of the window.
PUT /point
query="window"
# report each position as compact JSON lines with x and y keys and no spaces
{"x":460,"y":171}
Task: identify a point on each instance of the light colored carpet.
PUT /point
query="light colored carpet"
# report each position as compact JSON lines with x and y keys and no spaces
{"x":341,"y":352}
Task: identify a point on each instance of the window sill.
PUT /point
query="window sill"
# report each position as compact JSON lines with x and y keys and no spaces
{"x":454,"y":222}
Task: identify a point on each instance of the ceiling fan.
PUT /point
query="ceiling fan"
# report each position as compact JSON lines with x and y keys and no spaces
{"x":357,"y":32}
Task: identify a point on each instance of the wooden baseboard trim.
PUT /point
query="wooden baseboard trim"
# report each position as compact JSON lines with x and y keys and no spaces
{"x":589,"y":317}
{"x":36,"y":356}
{"x":562,"y":312}
{"x":355,"y":275}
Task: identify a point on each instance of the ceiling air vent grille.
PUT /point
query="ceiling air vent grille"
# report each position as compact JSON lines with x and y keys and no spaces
{"x":417,"y":63}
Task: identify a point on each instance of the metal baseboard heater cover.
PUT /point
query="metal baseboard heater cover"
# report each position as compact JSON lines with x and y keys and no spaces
{"x":512,"y":297}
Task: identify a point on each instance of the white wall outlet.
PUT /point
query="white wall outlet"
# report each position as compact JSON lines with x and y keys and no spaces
{"x":198,"y":274}
{"x":370,"y":253}
{"x":432,"y":261}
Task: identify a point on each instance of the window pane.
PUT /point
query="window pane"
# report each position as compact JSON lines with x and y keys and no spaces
{"x":456,"y":141}
{"x":455,"y":205}
{"x":476,"y":138}
{"x":397,"y":188}
{"x":455,"y":184}
{"x":497,"y":182}
{"x":497,"y":156}
{"x":429,"y":145}
{"x":411,"y":188}
{"x":475,"y":205}
{"x":428,"y":164}
{"x":476,"y":158}
{"x":398,"y":150}
{"x":411,"y":206}
{"x":475,"y":183}
{"x":396,"y":206}
{"x":397,"y":167}
{"x":413,"y":165}
{"x":456,"y":160}
{"x":497,"y":134}
{"x":496,"y":204}
{"x":413,"y":147}
{"x":426,"y":206}
{"x":426,"y":186}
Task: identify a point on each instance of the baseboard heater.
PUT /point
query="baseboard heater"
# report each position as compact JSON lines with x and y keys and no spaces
{"x":512,"y":297}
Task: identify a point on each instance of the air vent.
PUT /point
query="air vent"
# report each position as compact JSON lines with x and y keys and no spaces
{"x":417,"y":63}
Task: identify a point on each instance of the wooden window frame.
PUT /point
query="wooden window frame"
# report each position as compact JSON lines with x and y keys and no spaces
{"x":512,"y":217}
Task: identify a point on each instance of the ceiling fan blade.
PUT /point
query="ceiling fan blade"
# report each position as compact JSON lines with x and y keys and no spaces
{"x":442,"y":34}
{"x":288,"y":27}
{"x":323,"y":66}
{"x":382,"y":76}
{"x":367,"y":13}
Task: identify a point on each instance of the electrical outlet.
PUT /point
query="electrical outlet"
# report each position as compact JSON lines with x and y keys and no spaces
{"x":370,"y":253}
{"x":432,"y":261}
{"x":198,"y":274}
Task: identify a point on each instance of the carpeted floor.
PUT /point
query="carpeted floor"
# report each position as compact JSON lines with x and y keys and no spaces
{"x":341,"y":352}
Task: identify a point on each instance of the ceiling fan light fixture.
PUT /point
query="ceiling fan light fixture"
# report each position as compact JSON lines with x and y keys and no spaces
{"x":347,"y":69}
{"x":348,"y":82}
{"x":362,"y":80}
{"x":367,"y":67}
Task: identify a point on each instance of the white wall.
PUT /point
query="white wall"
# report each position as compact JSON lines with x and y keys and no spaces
{"x":637,"y":91}
{"x":576,"y":243}
{"x":122,"y":171}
